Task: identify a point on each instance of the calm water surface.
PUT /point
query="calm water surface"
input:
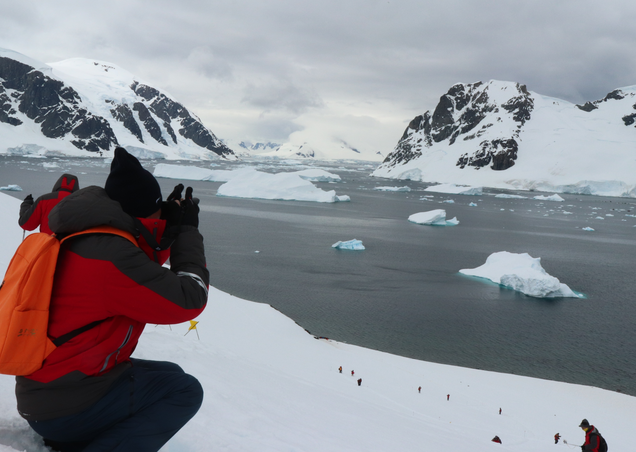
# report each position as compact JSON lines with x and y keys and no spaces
{"x":403,"y":294}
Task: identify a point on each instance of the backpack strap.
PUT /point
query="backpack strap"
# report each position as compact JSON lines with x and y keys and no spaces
{"x":96,"y":230}
{"x":104,"y":230}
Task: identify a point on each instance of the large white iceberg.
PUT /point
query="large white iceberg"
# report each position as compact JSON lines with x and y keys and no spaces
{"x":523,"y":273}
{"x":281,"y":186}
{"x":250,"y":183}
{"x":435,"y":217}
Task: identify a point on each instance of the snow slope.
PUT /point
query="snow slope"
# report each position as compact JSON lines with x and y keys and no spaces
{"x":271,"y":387}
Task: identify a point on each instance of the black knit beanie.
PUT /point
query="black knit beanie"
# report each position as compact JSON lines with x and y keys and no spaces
{"x":135,"y":188}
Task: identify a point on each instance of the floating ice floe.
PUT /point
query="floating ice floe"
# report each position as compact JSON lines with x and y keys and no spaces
{"x":250,"y":183}
{"x":554,"y":197}
{"x":318,"y":175}
{"x":507,"y":196}
{"x":587,"y":228}
{"x":472,"y":204}
{"x":435,"y":217}
{"x":279,"y":186}
{"x":405,"y":188}
{"x":11,"y":187}
{"x":355,"y":245}
{"x":456,"y":189}
{"x":523,"y":273}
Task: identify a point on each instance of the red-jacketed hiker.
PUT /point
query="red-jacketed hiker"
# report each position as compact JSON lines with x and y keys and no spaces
{"x":594,"y":442}
{"x":34,"y":214}
{"x":90,"y":394}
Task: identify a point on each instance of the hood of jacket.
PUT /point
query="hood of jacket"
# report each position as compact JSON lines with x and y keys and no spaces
{"x":67,"y":182}
{"x":87,"y":208}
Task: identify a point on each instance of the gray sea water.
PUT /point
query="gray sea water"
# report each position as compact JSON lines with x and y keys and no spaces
{"x":403,"y":294}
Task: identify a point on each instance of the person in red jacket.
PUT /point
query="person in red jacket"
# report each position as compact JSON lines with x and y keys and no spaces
{"x":90,"y":394}
{"x":34,"y":214}
{"x":594,"y":442}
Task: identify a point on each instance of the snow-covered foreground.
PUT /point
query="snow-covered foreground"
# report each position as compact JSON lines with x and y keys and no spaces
{"x":271,"y":387}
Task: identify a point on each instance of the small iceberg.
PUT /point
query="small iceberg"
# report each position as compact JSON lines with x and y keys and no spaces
{"x":435,"y":217}
{"x":11,"y":187}
{"x":455,"y":189}
{"x":554,"y":197}
{"x":354,"y":245}
{"x":523,"y":273}
{"x":405,"y":188}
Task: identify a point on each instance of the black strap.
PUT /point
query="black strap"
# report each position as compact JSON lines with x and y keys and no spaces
{"x":70,"y":335}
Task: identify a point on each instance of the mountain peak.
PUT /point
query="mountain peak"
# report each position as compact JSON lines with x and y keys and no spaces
{"x":82,"y":107}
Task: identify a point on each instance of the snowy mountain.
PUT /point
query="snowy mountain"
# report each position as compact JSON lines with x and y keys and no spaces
{"x":247,"y":148}
{"x":85,"y":107}
{"x":499,"y":134}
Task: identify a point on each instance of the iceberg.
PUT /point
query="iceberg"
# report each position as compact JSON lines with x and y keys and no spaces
{"x":435,"y":217}
{"x":250,"y":183}
{"x":11,"y":187}
{"x":318,"y":175}
{"x":523,"y":273}
{"x":355,"y":245}
{"x":507,"y":196}
{"x":456,"y":189}
{"x":554,"y":197}
{"x":279,"y":186}
{"x":405,"y":188}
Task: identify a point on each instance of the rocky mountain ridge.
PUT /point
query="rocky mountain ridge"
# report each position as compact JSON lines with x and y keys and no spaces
{"x":497,"y":132}
{"x":84,"y":107}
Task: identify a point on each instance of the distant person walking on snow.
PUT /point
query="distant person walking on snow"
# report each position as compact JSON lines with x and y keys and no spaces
{"x":419,"y":389}
{"x":34,"y":214}
{"x":557,"y":437}
{"x":352,"y":372}
{"x":359,"y":381}
{"x":594,"y":442}
{"x":340,"y":369}
{"x":447,"y":396}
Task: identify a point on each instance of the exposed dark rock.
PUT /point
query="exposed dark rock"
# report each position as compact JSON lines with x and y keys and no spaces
{"x":587,"y":106}
{"x":629,"y":119}
{"x":124,"y":114}
{"x":617,"y":94}
{"x":170,"y":112}
{"x":499,"y":154}
{"x":149,"y":122}
{"x":53,"y":105}
{"x":60,"y":112}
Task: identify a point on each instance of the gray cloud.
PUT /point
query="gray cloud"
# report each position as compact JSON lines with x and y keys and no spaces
{"x":367,"y":56}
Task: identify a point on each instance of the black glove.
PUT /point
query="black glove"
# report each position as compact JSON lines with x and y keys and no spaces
{"x":29,"y":199}
{"x":176,"y":193}
{"x":190,"y":207}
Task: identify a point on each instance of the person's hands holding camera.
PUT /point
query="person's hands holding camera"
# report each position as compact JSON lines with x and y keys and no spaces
{"x":190,"y":208}
{"x":172,"y":213}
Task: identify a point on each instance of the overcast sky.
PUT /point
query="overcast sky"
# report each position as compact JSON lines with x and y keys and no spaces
{"x":354,"y":70}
